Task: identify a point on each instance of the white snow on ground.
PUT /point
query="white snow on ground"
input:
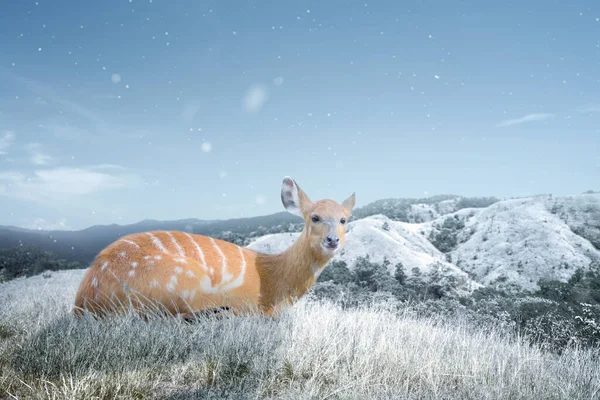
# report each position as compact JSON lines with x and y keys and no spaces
{"x":522,"y":241}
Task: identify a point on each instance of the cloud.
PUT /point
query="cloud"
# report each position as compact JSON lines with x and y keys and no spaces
{"x":64,"y":184}
{"x":526,"y":118}
{"x":37,"y":156}
{"x":255,"y":98}
{"x":589,"y":108}
{"x":6,"y":141}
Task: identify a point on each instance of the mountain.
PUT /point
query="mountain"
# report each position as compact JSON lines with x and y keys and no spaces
{"x":474,"y":241}
{"x":521,"y":241}
{"x":421,"y":210}
{"x":510,"y":242}
{"x":379,"y":238}
{"x":83,"y":245}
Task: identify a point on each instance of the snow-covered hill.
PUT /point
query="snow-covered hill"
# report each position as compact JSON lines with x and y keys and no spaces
{"x":524,"y":240}
{"x":517,"y":241}
{"x":378,"y":237}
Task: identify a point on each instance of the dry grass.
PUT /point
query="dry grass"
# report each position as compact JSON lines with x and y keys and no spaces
{"x":317,"y":350}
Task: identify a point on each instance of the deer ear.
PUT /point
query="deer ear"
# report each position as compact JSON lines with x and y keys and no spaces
{"x":348,"y":204}
{"x":293,"y":198}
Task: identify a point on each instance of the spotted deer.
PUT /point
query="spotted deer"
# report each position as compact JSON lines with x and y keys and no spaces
{"x":185,"y":274}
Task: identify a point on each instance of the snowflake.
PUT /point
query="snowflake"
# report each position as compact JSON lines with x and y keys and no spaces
{"x":206,"y":147}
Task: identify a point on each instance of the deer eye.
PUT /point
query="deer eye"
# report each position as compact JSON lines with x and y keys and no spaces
{"x":343,"y":221}
{"x":315,"y":218}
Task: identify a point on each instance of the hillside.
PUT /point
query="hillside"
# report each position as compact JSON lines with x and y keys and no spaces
{"x":82,"y":246}
{"x":380,"y":238}
{"x":510,"y":242}
{"x":521,"y":241}
{"x":476,"y":241}
{"x":315,"y":350}
{"x":421,"y":210}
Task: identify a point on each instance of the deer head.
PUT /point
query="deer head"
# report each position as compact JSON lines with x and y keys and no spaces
{"x":325,"y":220}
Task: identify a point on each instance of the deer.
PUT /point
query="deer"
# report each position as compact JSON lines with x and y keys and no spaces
{"x":184,"y":274}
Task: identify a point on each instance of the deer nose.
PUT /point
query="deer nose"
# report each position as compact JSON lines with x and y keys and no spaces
{"x":332,"y":240}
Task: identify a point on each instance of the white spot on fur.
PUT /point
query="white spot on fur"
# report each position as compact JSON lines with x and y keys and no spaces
{"x":154,"y":283}
{"x":198,"y":250}
{"x":95,"y":282}
{"x":178,"y":270}
{"x":185,"y":294}
{"x":104,"y":266}
{"x":171,"y":286}
{"x":225,"y":276}
{"x":174,"y":279}
{"x":207,"y":287}
{"x":317,"y":270}
{"x":240,"y":279}
{"x":212,"y":271}
{"x":157,"y":243}
{"x":130,"y":242}
{"x":122,"y":254}
{"x":180,"y":260}
{"x":132,"y":273}
{"x":192,"y":294}
{"x":134,"y":264}
{"x":146,"y":257}
{"x":190,"y":274}
{"x":179,"y":248}
{"x":158,"y":257}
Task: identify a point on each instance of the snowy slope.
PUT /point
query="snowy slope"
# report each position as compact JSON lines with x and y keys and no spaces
{"x":517,"y":241}
{"x":378,"y":237}
{"x":521,"y":241}
{"x":61,"y":286}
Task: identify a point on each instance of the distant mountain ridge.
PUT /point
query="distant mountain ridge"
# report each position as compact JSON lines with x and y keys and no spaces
{"x":83,"y":245}
{"x":472,"y":241}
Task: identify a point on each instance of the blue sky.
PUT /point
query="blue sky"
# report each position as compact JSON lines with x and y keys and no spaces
{"x":118,"y":111}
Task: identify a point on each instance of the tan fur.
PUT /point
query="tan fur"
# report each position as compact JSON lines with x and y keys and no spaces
{"x":182,"y":272}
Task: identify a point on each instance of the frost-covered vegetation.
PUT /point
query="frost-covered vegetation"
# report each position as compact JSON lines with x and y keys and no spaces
{"x":557,"y":316}
{"x":421,"y":210}
{"x":494,"y":302}
{"x":30,"y":260}
{"x":376,"y":348}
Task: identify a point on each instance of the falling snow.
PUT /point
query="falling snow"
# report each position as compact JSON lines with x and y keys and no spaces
{"x":206,"y":147}
{"x":124,"y":104}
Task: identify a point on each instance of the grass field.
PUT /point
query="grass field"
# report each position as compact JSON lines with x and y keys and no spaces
{"x":316,"y":350}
